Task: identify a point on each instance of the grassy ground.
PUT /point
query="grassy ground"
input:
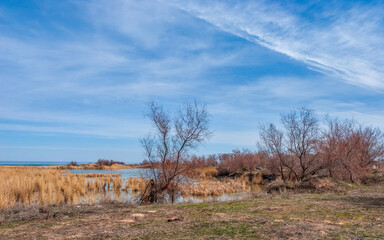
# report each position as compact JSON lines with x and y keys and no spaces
{"x":354,"y":214}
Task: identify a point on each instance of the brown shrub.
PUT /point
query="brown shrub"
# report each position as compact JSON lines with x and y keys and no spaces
{"x":214,"y":188}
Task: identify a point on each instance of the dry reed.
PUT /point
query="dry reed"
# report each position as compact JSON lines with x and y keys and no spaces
{"x":214,"y":188}
{"x":40,"y":186}
{"x":136,"y":184}
{"x":43,"y":186}
{"x":203,"y":173}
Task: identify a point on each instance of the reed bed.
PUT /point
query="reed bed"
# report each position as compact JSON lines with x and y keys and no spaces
{"x":214,"y":188}
{"x":43,"y":186}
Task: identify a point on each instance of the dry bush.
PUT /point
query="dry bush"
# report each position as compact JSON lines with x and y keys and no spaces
{"x":203,"y":161}
{"x":203,"y":173}
{"x":209,"y":172}
{"x":253,"y":178}
{"x":277,"y":186}
{"x":99,"y":165}
{"x":314,"y":184}
{"x":343,"y":150}
{"x":103,"y":162}
{"x":238,"y":161}
{"x":350,"y":150}
{"x":213,"y":188}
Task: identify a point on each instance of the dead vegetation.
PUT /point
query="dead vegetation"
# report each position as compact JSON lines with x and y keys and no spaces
{"x":291,"y":210}
{"x":314,"y":185}
{"x":40,"y":186}
{"x":355,"y":213}
{"x":342,"y":150}
{"x":92,"y":166}
{"x":203,"y":173}
{"x":167,"y":147}
{"x":214,"y":188}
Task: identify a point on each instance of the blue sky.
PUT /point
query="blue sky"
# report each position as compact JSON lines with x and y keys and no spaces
{"x":75,"y":75}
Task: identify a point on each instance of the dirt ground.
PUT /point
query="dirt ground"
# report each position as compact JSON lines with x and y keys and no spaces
{"x":354,"y":214}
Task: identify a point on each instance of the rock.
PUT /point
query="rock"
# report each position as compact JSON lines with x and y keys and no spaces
{"x":128,"y":220}
{"x":172,"y":219}
{"x":43,"y":210}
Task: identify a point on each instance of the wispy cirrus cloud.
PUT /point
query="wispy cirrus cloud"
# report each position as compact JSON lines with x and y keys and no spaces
{"x":343,"y":41}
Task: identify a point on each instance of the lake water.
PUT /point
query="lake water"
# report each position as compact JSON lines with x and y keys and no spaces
{"x":29,"y":163}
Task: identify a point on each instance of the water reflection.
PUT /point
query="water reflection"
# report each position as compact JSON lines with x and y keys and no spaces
{"x":127,"y":194}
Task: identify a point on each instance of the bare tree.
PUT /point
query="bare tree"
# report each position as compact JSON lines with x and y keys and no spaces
{"x":293,"y":152}
{"x":167,"y":148}
{"x":343,"y":150}
{"x":272,"y":145}
{"x":372,"y":146}
{"x":350,"y":149}
{"x":302,"y":138}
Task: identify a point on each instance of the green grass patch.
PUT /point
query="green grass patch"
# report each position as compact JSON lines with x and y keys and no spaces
{"x":12,"y":225}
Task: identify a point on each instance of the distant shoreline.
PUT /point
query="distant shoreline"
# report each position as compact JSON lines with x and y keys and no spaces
{"x":26,"y":164}
{"x":64,"y":165}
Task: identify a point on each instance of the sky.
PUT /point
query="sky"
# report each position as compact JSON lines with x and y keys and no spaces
{"x":75,"y":76}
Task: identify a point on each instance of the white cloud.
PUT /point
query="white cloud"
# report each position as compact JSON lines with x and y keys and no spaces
{"x":342,"y":42}
{"x":43,"y":79}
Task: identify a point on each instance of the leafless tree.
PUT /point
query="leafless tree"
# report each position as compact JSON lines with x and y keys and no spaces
{"x":343,"y":149}
{"x":167,"y":148}
{"x":272,"y":145}
{"x":302,"y":136}
{"x":372,"y":146}
{"x":293,"y":152}
{"x":350,"y":149}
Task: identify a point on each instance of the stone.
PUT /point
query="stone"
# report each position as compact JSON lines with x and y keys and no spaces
{"x":172,"y":219}
{"x":128,"y":220}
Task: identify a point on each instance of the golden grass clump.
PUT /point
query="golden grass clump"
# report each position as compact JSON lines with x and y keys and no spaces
{"x":209,"y":172}
{"x":214,"y":188}
{"x":136,"y":184}
{"x":203,"y":173}
{"x":254,"y":178}
{"x":45,"y":186}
